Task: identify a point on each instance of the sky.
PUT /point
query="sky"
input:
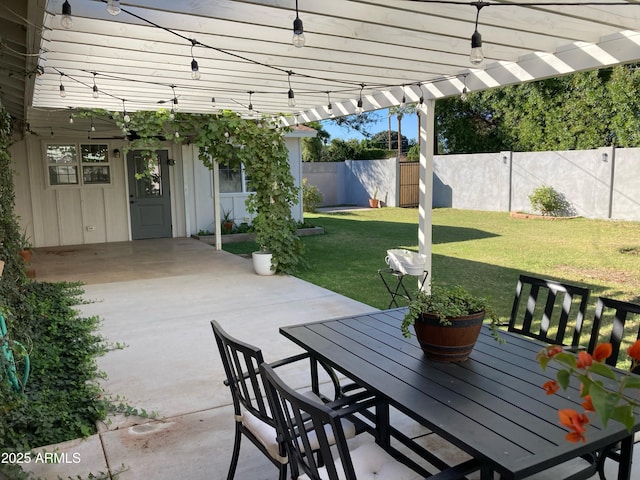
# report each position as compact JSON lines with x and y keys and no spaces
{"x":409,"y":127}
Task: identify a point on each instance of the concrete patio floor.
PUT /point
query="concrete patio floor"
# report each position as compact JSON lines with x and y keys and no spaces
{"x":157,"y":297}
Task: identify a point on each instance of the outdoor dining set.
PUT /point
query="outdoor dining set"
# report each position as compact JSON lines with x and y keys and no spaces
{"x":364,"y":375}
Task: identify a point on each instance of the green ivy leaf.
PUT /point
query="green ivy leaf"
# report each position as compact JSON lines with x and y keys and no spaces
{"x":631,"y":382}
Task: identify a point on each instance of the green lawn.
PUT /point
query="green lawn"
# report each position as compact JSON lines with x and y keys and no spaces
{"x":482,"y":251}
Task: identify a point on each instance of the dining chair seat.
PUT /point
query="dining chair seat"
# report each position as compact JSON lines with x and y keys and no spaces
{"x":371,"y":461}
{"x":267,"y":434}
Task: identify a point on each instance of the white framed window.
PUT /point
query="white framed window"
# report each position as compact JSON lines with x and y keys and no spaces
{"x":78,"y":164}
{"x":234,"y":180}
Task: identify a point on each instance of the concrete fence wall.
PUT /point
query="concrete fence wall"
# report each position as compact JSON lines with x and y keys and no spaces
{"x":600,"y":183}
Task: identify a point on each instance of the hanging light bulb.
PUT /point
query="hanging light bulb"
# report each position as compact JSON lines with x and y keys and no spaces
{"x":250,"y":108}
{"x":298,"y":31}
{"x":71,"y":119}
{"x":177,"y":134}
{"x":93,"y":126}
{"x":421,"y":94}
{"x":172,"y":114}
{"x":290,"y":94}
{"x":213,"y":101}
{"x":96,"y":94}
{"x":175,"y":104}
{"x":195,"y":71}
{"x":66,"y":21}
{"x":330,"y":106}
{"x":465,"y":90}
{"x":125,"y":115}
{"x":113,"y":7}
{"x":477,"y":56}
{"x":63,"y":93}
{"x":403,"y":102}
{"x":359,"y":109}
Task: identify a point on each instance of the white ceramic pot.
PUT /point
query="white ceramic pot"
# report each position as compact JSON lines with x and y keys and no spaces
{"x":262,"y":263}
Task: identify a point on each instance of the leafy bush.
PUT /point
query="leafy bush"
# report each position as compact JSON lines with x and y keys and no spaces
{"x":547,"y":201}
{"x":311,"y":197}
{"x":62,"y":399}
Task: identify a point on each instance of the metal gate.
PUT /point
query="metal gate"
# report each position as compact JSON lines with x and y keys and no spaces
{"x":409,"y":184}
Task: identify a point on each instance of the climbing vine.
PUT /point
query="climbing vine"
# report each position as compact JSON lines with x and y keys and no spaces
{"x":230,"y":140}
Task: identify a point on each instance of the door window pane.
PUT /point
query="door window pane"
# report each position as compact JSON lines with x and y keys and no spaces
{"x":147,"y":185}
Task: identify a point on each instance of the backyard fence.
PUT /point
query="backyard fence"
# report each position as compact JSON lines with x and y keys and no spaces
{"x":600,"y":183}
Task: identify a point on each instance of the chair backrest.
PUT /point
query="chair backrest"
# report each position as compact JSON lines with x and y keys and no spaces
{"x":300,"y":421}
{"x":617,"y":322}
{"x":241,"y":363}
{"x":553,"y":312}
{"x":7,"y":359}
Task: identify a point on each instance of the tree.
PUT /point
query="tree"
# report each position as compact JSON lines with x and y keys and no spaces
{"x":400,"y":111}
{"x":387,"y":139}
{"x":579,"y":111}
{"x":312,"y":147}
{"x":358,"y":123}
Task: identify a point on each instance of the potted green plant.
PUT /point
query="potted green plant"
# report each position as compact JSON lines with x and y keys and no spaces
{"x":374,"y":202}
{"x":227,"y":222}
{"x":25,"y":246}
{"x":447,"y":322}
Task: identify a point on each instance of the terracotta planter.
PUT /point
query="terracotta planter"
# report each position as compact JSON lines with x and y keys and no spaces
{"x":448,"y":343}
{"x":374,"y":203}
{"x":26,"y":255}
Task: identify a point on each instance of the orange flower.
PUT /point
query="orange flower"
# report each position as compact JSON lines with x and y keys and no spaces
{"x":602,"y":351}
{"x":574,"y":421}
{"x":587,"y":404}
{"x":551,"y":387}
{"x":575,"y":437}
{"x":553,"y":350}
{"x":584,"y":360}
{"x":634,"y":351}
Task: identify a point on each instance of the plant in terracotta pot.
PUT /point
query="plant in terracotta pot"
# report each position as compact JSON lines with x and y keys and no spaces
{"x":374,"y":202}
{"x":447,"y":322}
{"x":227,"y":222}
{"x":25,"y":246}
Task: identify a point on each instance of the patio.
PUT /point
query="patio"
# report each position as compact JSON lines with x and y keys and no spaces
{"x":157,"y":297}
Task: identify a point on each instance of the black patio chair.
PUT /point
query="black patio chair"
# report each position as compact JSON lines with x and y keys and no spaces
{"x":301,"y":421}
{"x":612,"y":319}
{"x":554,"y":312}
{"x":253,"y":418}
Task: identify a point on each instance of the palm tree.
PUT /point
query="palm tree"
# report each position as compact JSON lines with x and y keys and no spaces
{"x":399,"y":112}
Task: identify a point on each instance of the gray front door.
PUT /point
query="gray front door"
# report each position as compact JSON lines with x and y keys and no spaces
{"x":149,"y":197}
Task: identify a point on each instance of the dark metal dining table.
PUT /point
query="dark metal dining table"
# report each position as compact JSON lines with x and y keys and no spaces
{"x":492,"y":406}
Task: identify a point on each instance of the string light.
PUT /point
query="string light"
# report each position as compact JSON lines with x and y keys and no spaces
{"x":71,"y":119}
{"x":465,"y":91}
{"x":329,"y":106}
{"x":63,"y":93}
{"x":298,"y":31}
{"x":250,"y":104}
{"x":174,"y":105}
{"x":93,"y":126}
{"x":125,"y":115}
{"x":359,"y":108}
{"x":213,"y":102}
{"x":403,"y":102}
{"x":290,"y":94}
{"x":421,"y":94}
{"x":95,"y":87}
{"x":113,"y":7}
{"x":66,"y":21}
{"x":477,"y":56}
{"x":195,"y":71}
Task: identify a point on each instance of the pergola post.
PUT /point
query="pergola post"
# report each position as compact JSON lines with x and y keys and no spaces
{"x":427,"y":139}
{"x":216,"y":205}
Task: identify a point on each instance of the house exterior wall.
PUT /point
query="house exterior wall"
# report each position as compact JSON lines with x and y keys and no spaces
{"x":199,"y":191}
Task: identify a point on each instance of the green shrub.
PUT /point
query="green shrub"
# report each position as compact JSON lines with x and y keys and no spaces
{"x":311,"y":197}
{"x":547,"y":201}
